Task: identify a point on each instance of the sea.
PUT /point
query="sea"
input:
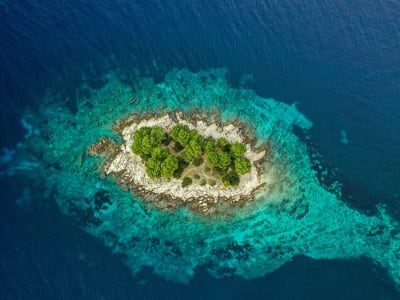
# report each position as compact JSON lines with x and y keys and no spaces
{"x":339,"y":61}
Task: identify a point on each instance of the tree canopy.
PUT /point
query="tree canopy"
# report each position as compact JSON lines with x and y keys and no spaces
{"x":237,"y":149}
{"x":169,"y":166}
{"x":227,"y":159}
{"x":145,"y":139}
{"x":181,"y":134}
{"x":242,"y":165}
{"x":153,"y":168}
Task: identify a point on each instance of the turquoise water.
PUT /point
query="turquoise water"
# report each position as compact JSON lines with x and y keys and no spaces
{"x":326,"y":226}
{"x":293,"y":215}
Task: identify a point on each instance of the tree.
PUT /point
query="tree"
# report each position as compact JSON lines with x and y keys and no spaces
{"x":209,"y":144}
{"x":158,"y":134}
{"x":169,"y":166}
{"x":148,"y":144}
{"x":222,"y":142}
{"x":181,"y":134}
{"x":188,"y":155}
{"x":193,"y":150}
{"x":145,"y":139}
{"x":153,"y":168}
{"x":237,"y":149}
{"x":224,"y":160}
{"x":138,"y":136}
{"x":212,"y":158}
{"x":242,"y":165}
{"x":160,"y":153}
{"x":219,"y":159}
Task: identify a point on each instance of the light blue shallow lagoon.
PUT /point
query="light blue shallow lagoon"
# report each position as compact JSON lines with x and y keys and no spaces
{"x":318,"y":82}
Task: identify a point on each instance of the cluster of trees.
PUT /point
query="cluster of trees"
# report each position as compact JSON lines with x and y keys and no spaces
{"x":227,"y":159}
{"x":145,"y":139}
{"x":190,"y":140}
{"x":160,"y":162}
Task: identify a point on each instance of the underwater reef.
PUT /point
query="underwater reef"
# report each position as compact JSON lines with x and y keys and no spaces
{"x":294,"y":214}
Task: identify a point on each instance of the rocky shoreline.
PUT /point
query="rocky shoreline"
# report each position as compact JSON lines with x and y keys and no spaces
{"x":128,"y":169}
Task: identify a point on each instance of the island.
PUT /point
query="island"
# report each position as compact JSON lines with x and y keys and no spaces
{"x":94,"y":158}
{"x":177,"y":160}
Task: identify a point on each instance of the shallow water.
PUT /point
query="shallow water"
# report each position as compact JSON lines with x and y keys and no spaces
{"x":338,"y":61}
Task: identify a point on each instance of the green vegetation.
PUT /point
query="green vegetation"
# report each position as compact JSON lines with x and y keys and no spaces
{"x":237,"y":149}
{"x":186,"y":181}
{"x":198,"y":161}
{"x":154,"y":145}
{"x":232,"y":178}
{"x":169,"y":166}
{"x":153,"y":168}
{"x":242,"y":165}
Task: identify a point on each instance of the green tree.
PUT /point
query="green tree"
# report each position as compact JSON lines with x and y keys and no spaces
{"x":212,"y":158}
{"x":160,"y":153}
{"x":219,"y":159}
{"x":222,"y":142}
{"x":145,"y":139}
{"x":242,"y":165}
{"x":153,"y":168}
{"x":237,"y":149}
{"x":148,"y":144}
{"x":181,"y":134}
{"x":158,"y":134}
{"x":209,"y":144}
{"x":224,"y":160}
{"x":193,"y":150}
{"x":138,"y":136}
{"x":188,"y":155}
{"x":169,"y":166}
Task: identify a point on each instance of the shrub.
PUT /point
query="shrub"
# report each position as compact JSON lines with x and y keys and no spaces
{"x":181,"y":167}
{"x":198,"y":161}
{"x":231,"y":179}
{"x":186,"y":182}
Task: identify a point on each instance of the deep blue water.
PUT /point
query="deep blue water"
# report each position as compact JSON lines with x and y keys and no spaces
{"x":339,"y":59}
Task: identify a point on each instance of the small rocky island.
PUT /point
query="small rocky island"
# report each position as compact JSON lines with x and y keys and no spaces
{"x":174,"y":160}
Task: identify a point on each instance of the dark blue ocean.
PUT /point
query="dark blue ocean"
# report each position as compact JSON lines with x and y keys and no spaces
{"x":340,"y":60}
